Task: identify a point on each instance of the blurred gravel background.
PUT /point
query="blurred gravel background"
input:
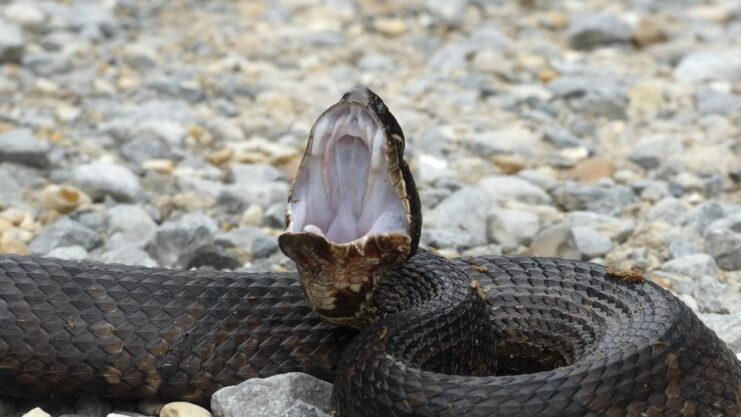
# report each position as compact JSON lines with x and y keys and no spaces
{"x":166,"y":132}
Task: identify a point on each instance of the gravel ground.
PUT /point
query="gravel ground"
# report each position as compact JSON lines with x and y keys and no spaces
{"x":165,"y":132}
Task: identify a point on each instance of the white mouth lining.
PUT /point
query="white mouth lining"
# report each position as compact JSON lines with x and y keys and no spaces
{"x":343,"y":191}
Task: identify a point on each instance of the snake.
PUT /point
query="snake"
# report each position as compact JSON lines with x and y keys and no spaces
{"x":398,"y":329}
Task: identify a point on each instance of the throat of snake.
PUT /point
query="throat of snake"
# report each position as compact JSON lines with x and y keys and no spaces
{"x":349,"y":219}
{"x":343,"y":191}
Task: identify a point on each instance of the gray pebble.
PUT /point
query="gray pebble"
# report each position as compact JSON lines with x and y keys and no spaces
{"x":591,"y":30}
{"x":650,"y":151}
{"x":590,"y":243}
{"x":101,"y":178}
{"x":694,"y":266}
{"x":614,"y":228}
{"x":701,"y":216}
{"x":450,"y":238}
{"x":723,"y":242}
{"x":450,"y":10}
{"x":709,"y":101}
{"x":669,"y":210}
{"x":561,"y":138}
{"x":556,"y":241}
{"x":128,"y":255}
{"x":601,"y":198}
{"x":65,"y":232}
{"x":506,"y":188}
{"x":75,"y":252}
{"x":176,"y":239}
{"x":602,"y":96}
{"x":262,"y":247}
{"x":269,"y":397}
{"x":511,"y":228}
{"x":275,"y":216}
{"x":12,"y":43}
{"x":132,"y":224}
{"x":680,"y":248}
{"x":710,"y":65}
{"x":11,"y":192}
{"x":211,"y":256}
{"x":236,"y":197}
{"x":20,"y":145}
{"x":251,"y":173}
{"x":451,"y":228}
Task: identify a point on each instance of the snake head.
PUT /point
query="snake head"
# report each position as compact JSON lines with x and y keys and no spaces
{"x":353,"y":212}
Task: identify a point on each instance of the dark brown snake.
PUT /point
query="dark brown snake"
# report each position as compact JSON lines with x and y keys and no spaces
{"x":487,"y":336}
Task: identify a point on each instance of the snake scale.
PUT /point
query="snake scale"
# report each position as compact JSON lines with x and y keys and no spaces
{"x":400,"y":331}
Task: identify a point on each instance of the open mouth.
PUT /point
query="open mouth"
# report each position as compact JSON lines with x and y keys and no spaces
{"x":344,"y":191}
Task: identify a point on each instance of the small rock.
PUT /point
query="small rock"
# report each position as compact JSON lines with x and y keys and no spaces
{"x":600,"y":96}
{"x":128,"y":255}
{"x":11,"y":43}
{"x":710,"y":65}
{"x":376,"y":62}
{"x":65,"y":232}
{"x":450,"y":10}
{"x":723,"y":242}
{"x":669,"y":210}
{"x":26,"y":15}
{"x":598,"y":29}
{"x":252,"y":216}
{"x":555,"y":241}
{"x":92,"y":406}
{"x":506,"y":188}
{"x":133,"y":225}
{"x":454,"y":230}
{"x":694,"y":266}
{"x":727,"y":327}
{"x":275,"y":216}
{"x":75,"y":252}
{"x":614,"y":228}
{"x":20,"y":145}
{"x":62,"y":198}
{"x":701,"y":216}
{"x":511,"y":228}
{"x":140,"y":56}
{"x":37,"y":412}
{"x":592,"y":170}
{"x":590,"y":243}
{"x":650,"y":151}
{"x":450,"y":238}
{"x":649,"y":31}
{"x":183,"y":409}
{"x":680,"y":248}
{"x":710,"y":101}
{"x":100,"y":178}
{"x":272,"y":396}
{"x":251,"y":173}
{"x":236,"y":197}
{"x":176,"y":240}
{"x":603,"y":198}
{"x":262,"y":247}
{"x":562,"y":139}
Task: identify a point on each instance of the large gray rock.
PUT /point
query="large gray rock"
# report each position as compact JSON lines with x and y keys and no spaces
{"x":649,"y":152}
{"x":75,"y":252}
{"x":695,"y":266}
{"x":176,"y":240}
{"x":556,"y":241}
{"x":65,"y":232}
{"x":507,"y":188}
{"x":128,"y":255}
{"x":710,"y":65}
{"x":592,"y":30}
{"x":101,"y":178}
{"x":11,"y":43}
{"x":701,"y":216}
{"x":511,"y":228}
{"x":274,"y":396}
{"x":723,"y":242}
{"x":130,"y":225}
{"x":20,"y":145}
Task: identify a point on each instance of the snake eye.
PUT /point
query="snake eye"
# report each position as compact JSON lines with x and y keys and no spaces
{"x":344,"y":190}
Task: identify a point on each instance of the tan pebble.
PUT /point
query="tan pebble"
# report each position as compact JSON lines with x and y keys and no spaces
{"x":221,"y":156}
{"x":509,"y":164}
{"x":17,"y":233}
{"x":390,"y":26}
{"x":15,"y":215}
{"x":649,"y":31}
{"x":12,"y":246}
{"x":590,"y":170}
{"x":162,"y":166}
{"x":547,"y":75}
{"x":5,"y":225}
{"x":62,"y":198}
{"x":183,"y":409}
{"x":252,"y":216}
{"x":28,"y":224}
{"x":712,"y":13}
{"x":37,"y":412}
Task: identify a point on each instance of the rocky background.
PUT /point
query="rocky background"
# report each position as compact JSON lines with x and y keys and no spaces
{"x":166,"y":132}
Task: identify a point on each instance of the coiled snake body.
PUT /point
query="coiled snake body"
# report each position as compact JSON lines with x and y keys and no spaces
{"x":488,"y":336}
